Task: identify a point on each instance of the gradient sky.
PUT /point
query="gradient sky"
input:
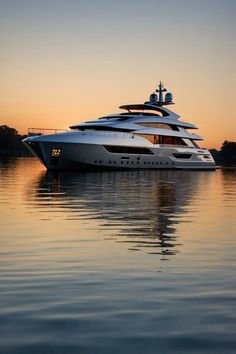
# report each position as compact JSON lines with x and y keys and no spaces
{"x":65,"y":61}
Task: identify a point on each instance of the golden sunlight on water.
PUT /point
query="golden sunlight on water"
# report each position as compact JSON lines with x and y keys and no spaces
{"x":106,"y":262}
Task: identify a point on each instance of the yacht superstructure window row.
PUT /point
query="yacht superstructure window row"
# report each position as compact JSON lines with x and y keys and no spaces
{"x":163,"y":140}
{"x":155,"y":125}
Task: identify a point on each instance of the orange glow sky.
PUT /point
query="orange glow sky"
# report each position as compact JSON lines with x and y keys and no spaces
{"x":68,"y":61}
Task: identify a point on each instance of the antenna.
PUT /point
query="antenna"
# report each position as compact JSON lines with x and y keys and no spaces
{"x":160,"y":90}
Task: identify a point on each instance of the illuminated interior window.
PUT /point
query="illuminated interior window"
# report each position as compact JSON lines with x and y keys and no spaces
{"x":154,"y":125}
{"x":152,"y":138}
{"x":164,"y":140}
{"x":171,"y":140}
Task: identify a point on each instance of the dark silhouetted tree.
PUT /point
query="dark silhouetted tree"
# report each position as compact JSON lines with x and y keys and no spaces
{"x":8,"y":137}
{"x":228,"y":152}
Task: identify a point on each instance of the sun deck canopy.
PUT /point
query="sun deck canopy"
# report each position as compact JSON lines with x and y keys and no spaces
{"x":144,"y":107}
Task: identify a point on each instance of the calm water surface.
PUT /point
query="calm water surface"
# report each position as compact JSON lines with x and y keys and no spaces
{"x":116,"y":262}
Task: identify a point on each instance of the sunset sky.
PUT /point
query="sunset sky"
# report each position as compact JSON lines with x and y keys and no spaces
{"x":65,"y":61}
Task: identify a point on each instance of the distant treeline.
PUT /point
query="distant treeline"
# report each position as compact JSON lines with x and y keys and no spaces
{"x":11,"y":145}
{"x":226,"y":155}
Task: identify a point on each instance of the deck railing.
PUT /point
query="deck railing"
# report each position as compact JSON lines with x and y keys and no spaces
{"x":44,"y":131}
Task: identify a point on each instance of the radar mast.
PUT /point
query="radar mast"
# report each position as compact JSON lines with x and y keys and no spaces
{"x":158,"y":99}
{"x":160,"y":90}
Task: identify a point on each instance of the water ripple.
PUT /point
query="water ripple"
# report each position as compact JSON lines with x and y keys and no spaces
{"x":132,"y":262}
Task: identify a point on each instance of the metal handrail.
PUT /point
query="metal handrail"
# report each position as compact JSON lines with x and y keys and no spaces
{"x":44,"y":131}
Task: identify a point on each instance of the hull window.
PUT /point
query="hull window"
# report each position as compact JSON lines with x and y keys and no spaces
{"x":182,"y":156}
{"x":127,"y":150}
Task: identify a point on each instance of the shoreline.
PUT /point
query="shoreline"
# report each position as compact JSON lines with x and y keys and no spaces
{"x":15,"y":153}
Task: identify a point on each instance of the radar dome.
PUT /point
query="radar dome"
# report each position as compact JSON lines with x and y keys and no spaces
{"x":153,"y":97}
{"x":168,"y":97}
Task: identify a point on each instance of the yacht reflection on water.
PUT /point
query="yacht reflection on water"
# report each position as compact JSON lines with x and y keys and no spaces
{"x":140,"y":208}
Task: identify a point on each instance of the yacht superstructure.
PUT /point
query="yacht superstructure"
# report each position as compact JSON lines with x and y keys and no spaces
{"x":145,"y":136}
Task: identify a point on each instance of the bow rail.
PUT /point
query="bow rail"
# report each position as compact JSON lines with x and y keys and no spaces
{"x":45,"y":131}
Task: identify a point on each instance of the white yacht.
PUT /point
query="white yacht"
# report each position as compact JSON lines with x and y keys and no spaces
{"x":145,"y":136}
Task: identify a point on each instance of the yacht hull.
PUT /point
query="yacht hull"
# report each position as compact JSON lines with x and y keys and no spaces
{"x":78,"y":156}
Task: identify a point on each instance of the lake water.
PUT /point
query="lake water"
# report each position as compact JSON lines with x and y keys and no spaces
{"x":116,"y":262}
